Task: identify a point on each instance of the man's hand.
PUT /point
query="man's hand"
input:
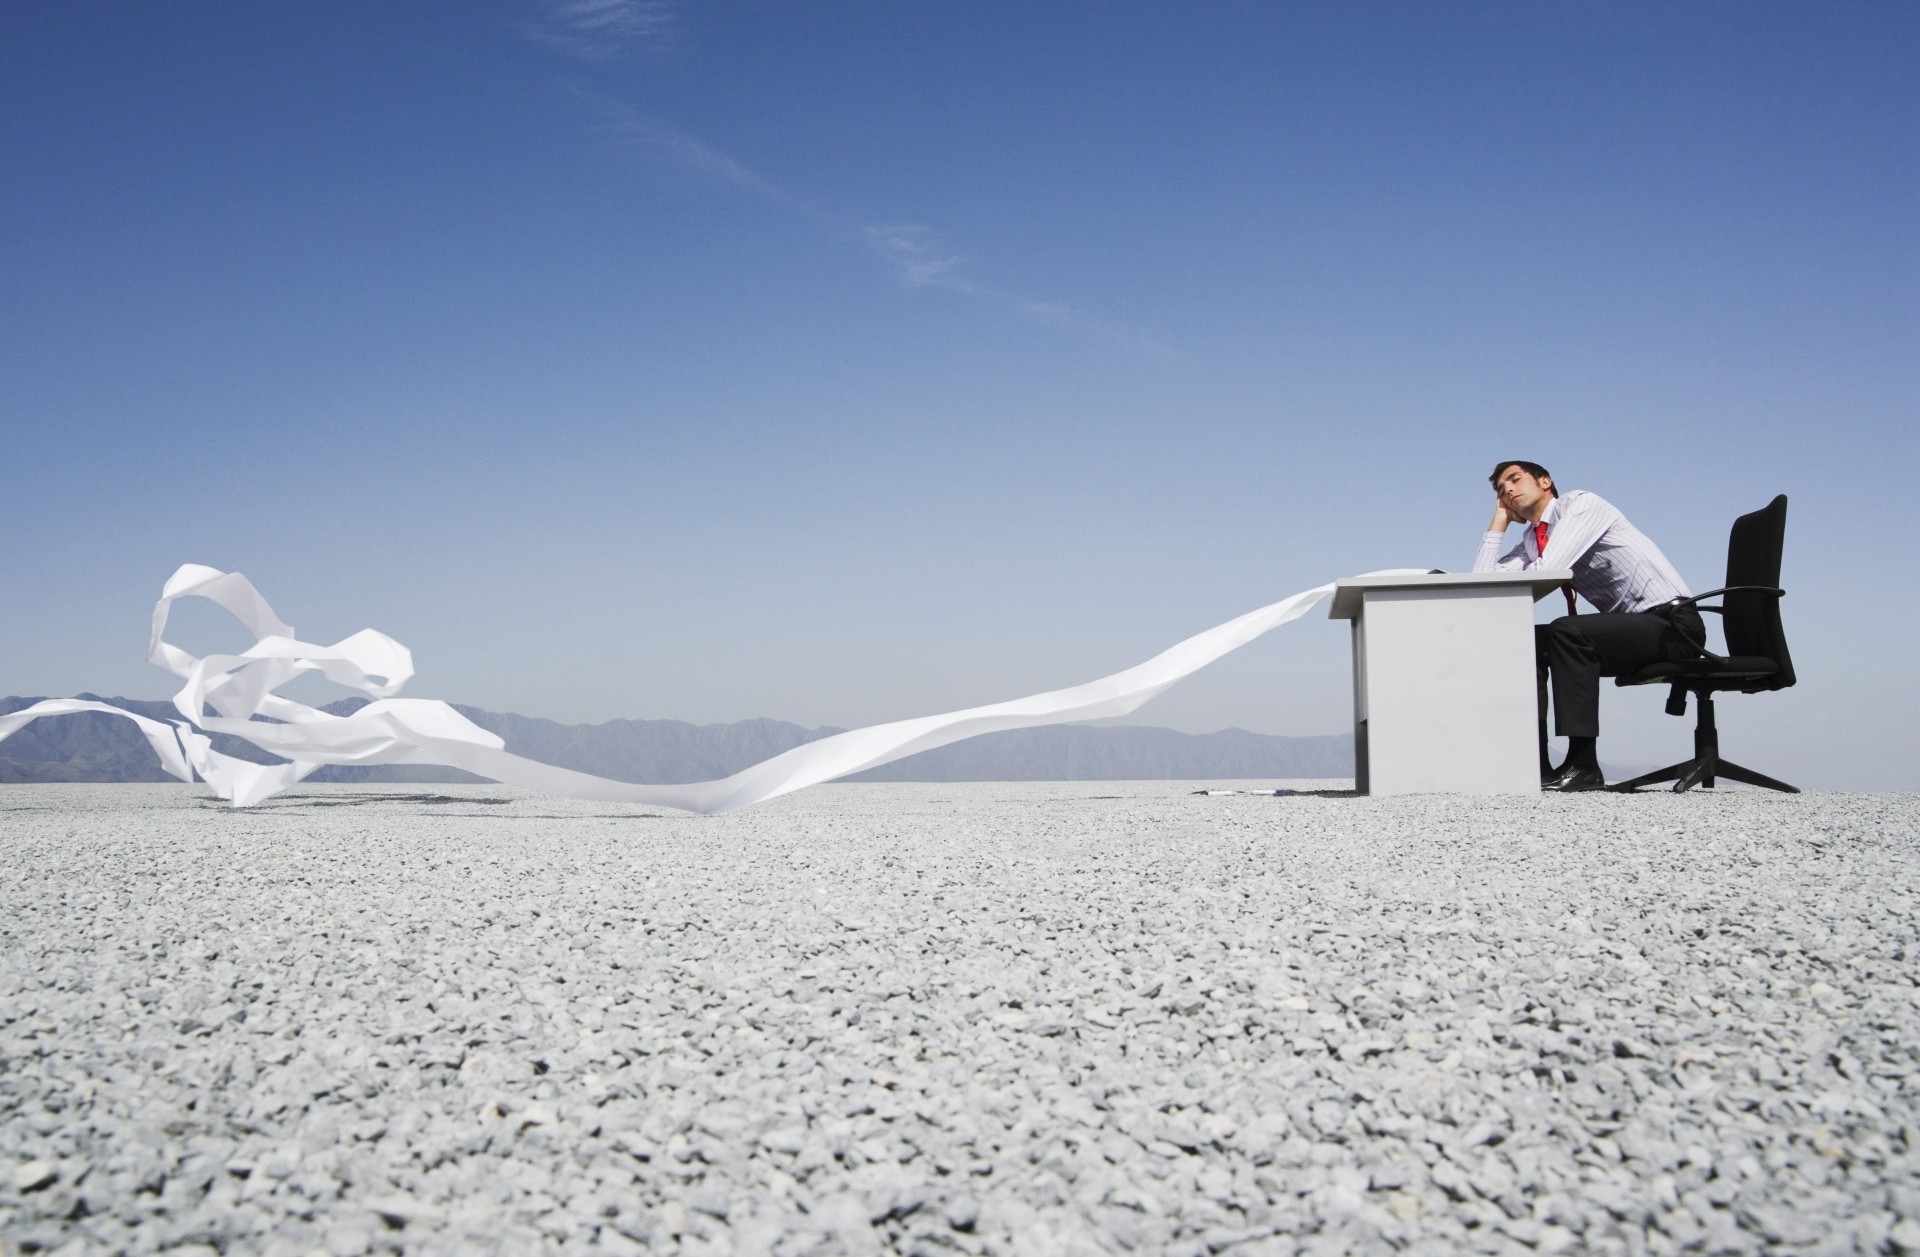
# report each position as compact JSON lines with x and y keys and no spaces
{"x":1500,"y":519}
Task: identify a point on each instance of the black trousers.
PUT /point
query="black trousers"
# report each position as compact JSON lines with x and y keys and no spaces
{"x":1577,"y":650}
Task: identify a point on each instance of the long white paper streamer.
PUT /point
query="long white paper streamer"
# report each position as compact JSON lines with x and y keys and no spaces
{"x":391,"y":730}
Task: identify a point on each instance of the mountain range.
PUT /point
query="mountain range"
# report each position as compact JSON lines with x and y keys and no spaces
{"x":92,"y":746}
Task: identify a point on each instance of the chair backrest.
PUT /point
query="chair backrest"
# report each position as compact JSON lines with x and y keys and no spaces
{"x":1752,"y":621}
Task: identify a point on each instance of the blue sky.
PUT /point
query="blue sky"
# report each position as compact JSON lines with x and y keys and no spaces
{"x":846,"y":362}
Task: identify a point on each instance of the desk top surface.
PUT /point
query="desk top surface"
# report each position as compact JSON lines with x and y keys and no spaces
{"x":1350,"y":593}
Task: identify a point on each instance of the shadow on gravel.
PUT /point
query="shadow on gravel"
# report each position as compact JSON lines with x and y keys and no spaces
{"x":1279,"y":794}
{"x":287,"y":801}
{"x":293,"y":802}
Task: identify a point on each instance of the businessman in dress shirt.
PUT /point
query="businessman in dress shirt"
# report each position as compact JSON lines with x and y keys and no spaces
{"x":1619,"y":570}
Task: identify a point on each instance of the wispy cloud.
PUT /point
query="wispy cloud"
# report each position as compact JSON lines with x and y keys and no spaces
{"x":598,"y":30}
{"x":918,"y":259}
{"x":688,"y":153}
{"x":913,"y":252}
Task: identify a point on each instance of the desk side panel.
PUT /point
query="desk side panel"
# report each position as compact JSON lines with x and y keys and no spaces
{"x":1450,"y":700}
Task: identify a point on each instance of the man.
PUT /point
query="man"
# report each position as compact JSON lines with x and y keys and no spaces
{"x":1617,"y":569}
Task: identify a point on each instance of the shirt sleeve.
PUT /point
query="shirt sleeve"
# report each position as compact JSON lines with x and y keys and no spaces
{"x":1491,"y":560}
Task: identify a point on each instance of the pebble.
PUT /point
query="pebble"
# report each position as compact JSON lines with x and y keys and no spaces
{"x":31,"y":1176}
{"x":977,"y":1018}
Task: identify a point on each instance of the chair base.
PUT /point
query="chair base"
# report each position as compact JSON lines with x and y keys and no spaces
{"x":1706,"y":766}
{"x":1702,"y":772}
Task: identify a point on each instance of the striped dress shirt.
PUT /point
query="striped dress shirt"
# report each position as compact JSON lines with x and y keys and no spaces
{"x":1616,"y":567}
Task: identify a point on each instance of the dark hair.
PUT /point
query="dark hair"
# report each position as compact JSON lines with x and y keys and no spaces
{"x":1532,"y":469}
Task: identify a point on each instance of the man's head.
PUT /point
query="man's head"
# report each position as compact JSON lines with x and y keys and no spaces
{"x":1523,"y":488}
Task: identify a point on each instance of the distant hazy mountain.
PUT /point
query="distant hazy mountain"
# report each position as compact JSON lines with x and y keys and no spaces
{"x":93,"y":746}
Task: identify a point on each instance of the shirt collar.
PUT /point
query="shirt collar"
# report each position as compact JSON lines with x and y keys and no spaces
{"x":1551,"y":515}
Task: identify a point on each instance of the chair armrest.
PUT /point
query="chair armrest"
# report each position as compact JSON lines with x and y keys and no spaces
{"x":1701,"y":646}
{"x":1730,"y":589}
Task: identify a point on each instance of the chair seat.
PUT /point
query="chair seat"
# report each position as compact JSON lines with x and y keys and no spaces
{"x":1736,"y":668}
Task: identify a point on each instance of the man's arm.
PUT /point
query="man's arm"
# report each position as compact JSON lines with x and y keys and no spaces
{"x":1489,"y":559}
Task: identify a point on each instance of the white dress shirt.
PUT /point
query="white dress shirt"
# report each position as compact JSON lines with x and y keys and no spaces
{"x":1616,"y":567}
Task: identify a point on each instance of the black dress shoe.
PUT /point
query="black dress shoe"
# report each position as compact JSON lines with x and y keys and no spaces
{"x":1570,"y":779}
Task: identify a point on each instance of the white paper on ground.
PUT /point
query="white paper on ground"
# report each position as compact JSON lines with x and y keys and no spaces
{"x":393,"y":730}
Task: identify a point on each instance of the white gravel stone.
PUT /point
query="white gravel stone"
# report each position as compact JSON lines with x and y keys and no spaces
{"x":31,"y":1176}
{"x":942,"y":1019}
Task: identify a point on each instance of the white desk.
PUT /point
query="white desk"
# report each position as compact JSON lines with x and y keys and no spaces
{"x":1443,"y":681}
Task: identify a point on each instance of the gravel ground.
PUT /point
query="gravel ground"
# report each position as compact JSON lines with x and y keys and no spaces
{"x":939,"y":1019}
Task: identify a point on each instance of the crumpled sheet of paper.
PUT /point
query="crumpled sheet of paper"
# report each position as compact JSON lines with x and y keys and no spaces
{"x":392,"y":730}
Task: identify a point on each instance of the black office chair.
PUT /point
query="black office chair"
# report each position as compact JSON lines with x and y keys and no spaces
{"x":1756,"y":657}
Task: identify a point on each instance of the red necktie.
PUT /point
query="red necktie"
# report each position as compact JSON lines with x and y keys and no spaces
{"x":1540,"y":547}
